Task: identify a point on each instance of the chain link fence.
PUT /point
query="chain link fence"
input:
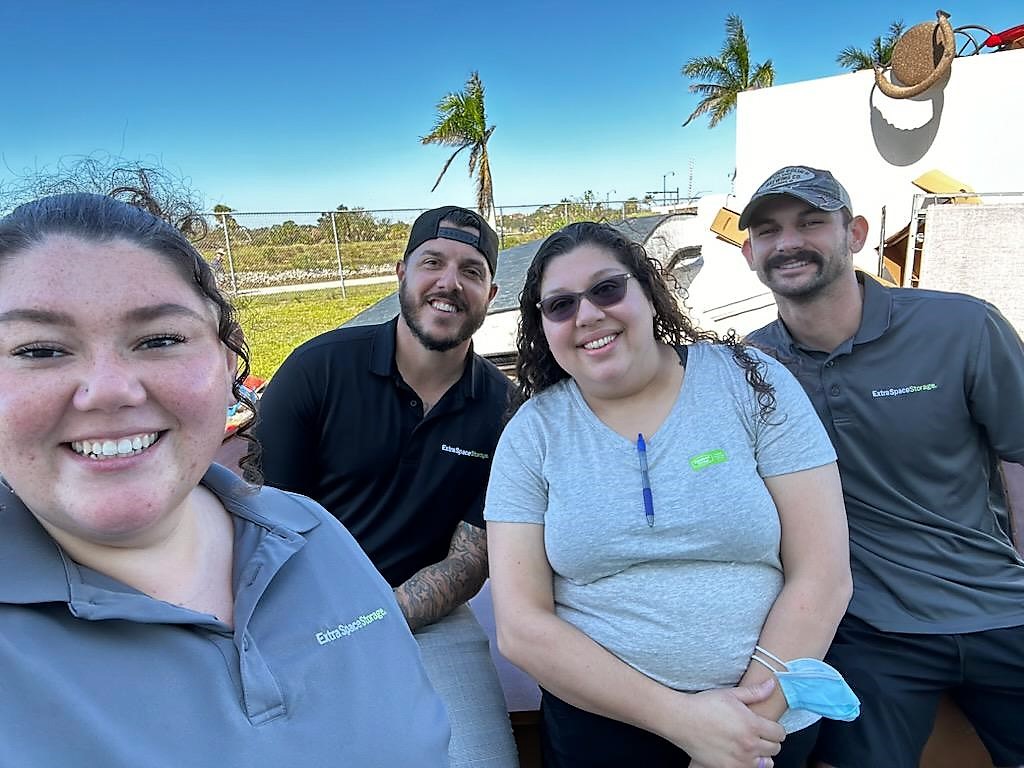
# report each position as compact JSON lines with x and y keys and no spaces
{"x":267,"y":252}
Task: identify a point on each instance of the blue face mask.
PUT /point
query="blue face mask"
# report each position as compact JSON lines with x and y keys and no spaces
{"x":813,"y":690}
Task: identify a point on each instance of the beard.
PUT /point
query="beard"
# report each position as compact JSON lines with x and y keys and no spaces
{"x":465,"y":321}
{"x":830,"y":269}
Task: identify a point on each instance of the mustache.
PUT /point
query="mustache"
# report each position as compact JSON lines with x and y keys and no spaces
{"x":780,"y":259}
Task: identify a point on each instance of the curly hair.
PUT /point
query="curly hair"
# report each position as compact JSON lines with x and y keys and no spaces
{"x":537,"y":369}
{"x":100,"y":218}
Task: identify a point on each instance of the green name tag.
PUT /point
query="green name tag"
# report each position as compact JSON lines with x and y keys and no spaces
{"x":702,"y":460}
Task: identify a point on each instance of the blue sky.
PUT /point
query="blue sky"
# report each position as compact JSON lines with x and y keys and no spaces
{"x":305,"y":105}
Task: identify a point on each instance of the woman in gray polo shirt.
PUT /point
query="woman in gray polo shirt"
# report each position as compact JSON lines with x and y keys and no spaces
{"x":663,"y":503}
{"x":154,"y":609}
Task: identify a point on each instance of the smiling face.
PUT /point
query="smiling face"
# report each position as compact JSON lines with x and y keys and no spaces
{"x":113,"y":388}
{"x":799,"y":251}
{"x":444,"y":290}
{"x":603,"y":349}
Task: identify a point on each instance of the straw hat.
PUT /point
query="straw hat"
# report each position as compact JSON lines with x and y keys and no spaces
{"x":920,"y":58}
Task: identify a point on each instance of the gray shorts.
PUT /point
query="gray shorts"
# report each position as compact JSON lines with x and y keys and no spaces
{"x":457,"y":657}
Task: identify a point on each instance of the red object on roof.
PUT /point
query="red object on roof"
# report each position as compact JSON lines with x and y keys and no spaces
{"x":1005,"y":37}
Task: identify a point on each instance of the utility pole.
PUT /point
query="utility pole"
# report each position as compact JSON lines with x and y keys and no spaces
{"x":664,"y":187}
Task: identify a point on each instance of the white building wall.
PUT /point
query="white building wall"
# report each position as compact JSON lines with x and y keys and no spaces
{"x":969,"y":128}
{"x":725,"y":294}
{"x":977,"y":249}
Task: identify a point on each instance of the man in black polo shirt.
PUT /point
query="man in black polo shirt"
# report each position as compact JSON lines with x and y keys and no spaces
{"x":922,"y":392}
{"x":392,"y":428}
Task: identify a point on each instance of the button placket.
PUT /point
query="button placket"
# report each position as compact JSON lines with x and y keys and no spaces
{"x":262,"y":694}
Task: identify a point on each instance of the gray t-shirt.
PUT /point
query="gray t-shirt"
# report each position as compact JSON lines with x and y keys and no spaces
{"x":682,"y":601}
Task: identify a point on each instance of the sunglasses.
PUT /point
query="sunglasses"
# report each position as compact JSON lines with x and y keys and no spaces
{"x":603,"y":293}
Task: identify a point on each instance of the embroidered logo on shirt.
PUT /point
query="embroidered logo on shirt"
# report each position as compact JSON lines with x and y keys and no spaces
{"x":913,"y":388}
{"x":707,"y":459}
{"x":344,"y":630}
{"x":464,"y":452}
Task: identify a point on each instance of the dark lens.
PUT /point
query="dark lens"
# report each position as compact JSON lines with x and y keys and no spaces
{"x":608,"y":292}
{"x":559,"y":308}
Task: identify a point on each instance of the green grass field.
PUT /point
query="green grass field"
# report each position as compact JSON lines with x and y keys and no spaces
{"x":274,"y":325}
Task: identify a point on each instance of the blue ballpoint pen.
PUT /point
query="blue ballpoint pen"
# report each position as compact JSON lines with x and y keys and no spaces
{"x":641,"y":449}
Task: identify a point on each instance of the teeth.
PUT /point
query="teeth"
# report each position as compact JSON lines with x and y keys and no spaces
{"x":108,"y":449}
{"x":443,"y":306}
{"x":598,"y":343}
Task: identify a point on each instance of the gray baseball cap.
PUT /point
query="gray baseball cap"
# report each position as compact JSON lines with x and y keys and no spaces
{"x":812,"y":185}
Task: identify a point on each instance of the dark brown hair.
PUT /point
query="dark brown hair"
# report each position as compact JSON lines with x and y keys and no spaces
{"x":537,"y":369}
{"x":98,"y":219}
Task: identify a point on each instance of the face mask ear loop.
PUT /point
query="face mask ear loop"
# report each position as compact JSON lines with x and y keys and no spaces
{"x":759,"y":650}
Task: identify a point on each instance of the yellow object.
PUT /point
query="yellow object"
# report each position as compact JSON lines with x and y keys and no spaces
{"x":938,"y":183}
{"x":726,"y":226}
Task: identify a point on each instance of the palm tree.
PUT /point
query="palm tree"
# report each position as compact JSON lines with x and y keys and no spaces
{"x":854,"y":59}
{"x":727,"y":74}
{"x":461,"y":122}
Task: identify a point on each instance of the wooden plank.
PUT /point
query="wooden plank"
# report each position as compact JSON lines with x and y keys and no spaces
{"x":726,"y":226}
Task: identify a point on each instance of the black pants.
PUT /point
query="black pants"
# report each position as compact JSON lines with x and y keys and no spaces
{"x":574,"y":738}
{"x":900,"y":678}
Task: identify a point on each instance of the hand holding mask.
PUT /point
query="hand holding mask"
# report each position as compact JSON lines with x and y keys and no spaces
{"x":813,"y":689}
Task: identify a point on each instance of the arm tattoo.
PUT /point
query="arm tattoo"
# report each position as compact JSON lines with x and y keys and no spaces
{"x":436,"y":590}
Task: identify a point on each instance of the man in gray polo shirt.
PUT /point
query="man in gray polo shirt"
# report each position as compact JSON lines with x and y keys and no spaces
{"x":922,"y":393}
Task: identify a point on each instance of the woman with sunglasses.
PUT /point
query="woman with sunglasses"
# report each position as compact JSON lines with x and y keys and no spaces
{"x":662,"y":502}
{"x":155,"y":609}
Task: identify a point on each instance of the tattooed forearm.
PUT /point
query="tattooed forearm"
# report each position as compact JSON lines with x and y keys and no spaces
{"x":436,"y":590}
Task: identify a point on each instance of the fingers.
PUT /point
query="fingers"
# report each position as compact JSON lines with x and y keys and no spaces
{"x":767,"y":734}
{"x":771,"y":731}
{"x":757,"y":748}
{"x":752,"y":694}
{"x":727,"y":732}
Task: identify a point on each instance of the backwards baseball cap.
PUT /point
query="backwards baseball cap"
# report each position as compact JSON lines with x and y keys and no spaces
{"x":813,"y":186}
{"x":428,"y":227}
